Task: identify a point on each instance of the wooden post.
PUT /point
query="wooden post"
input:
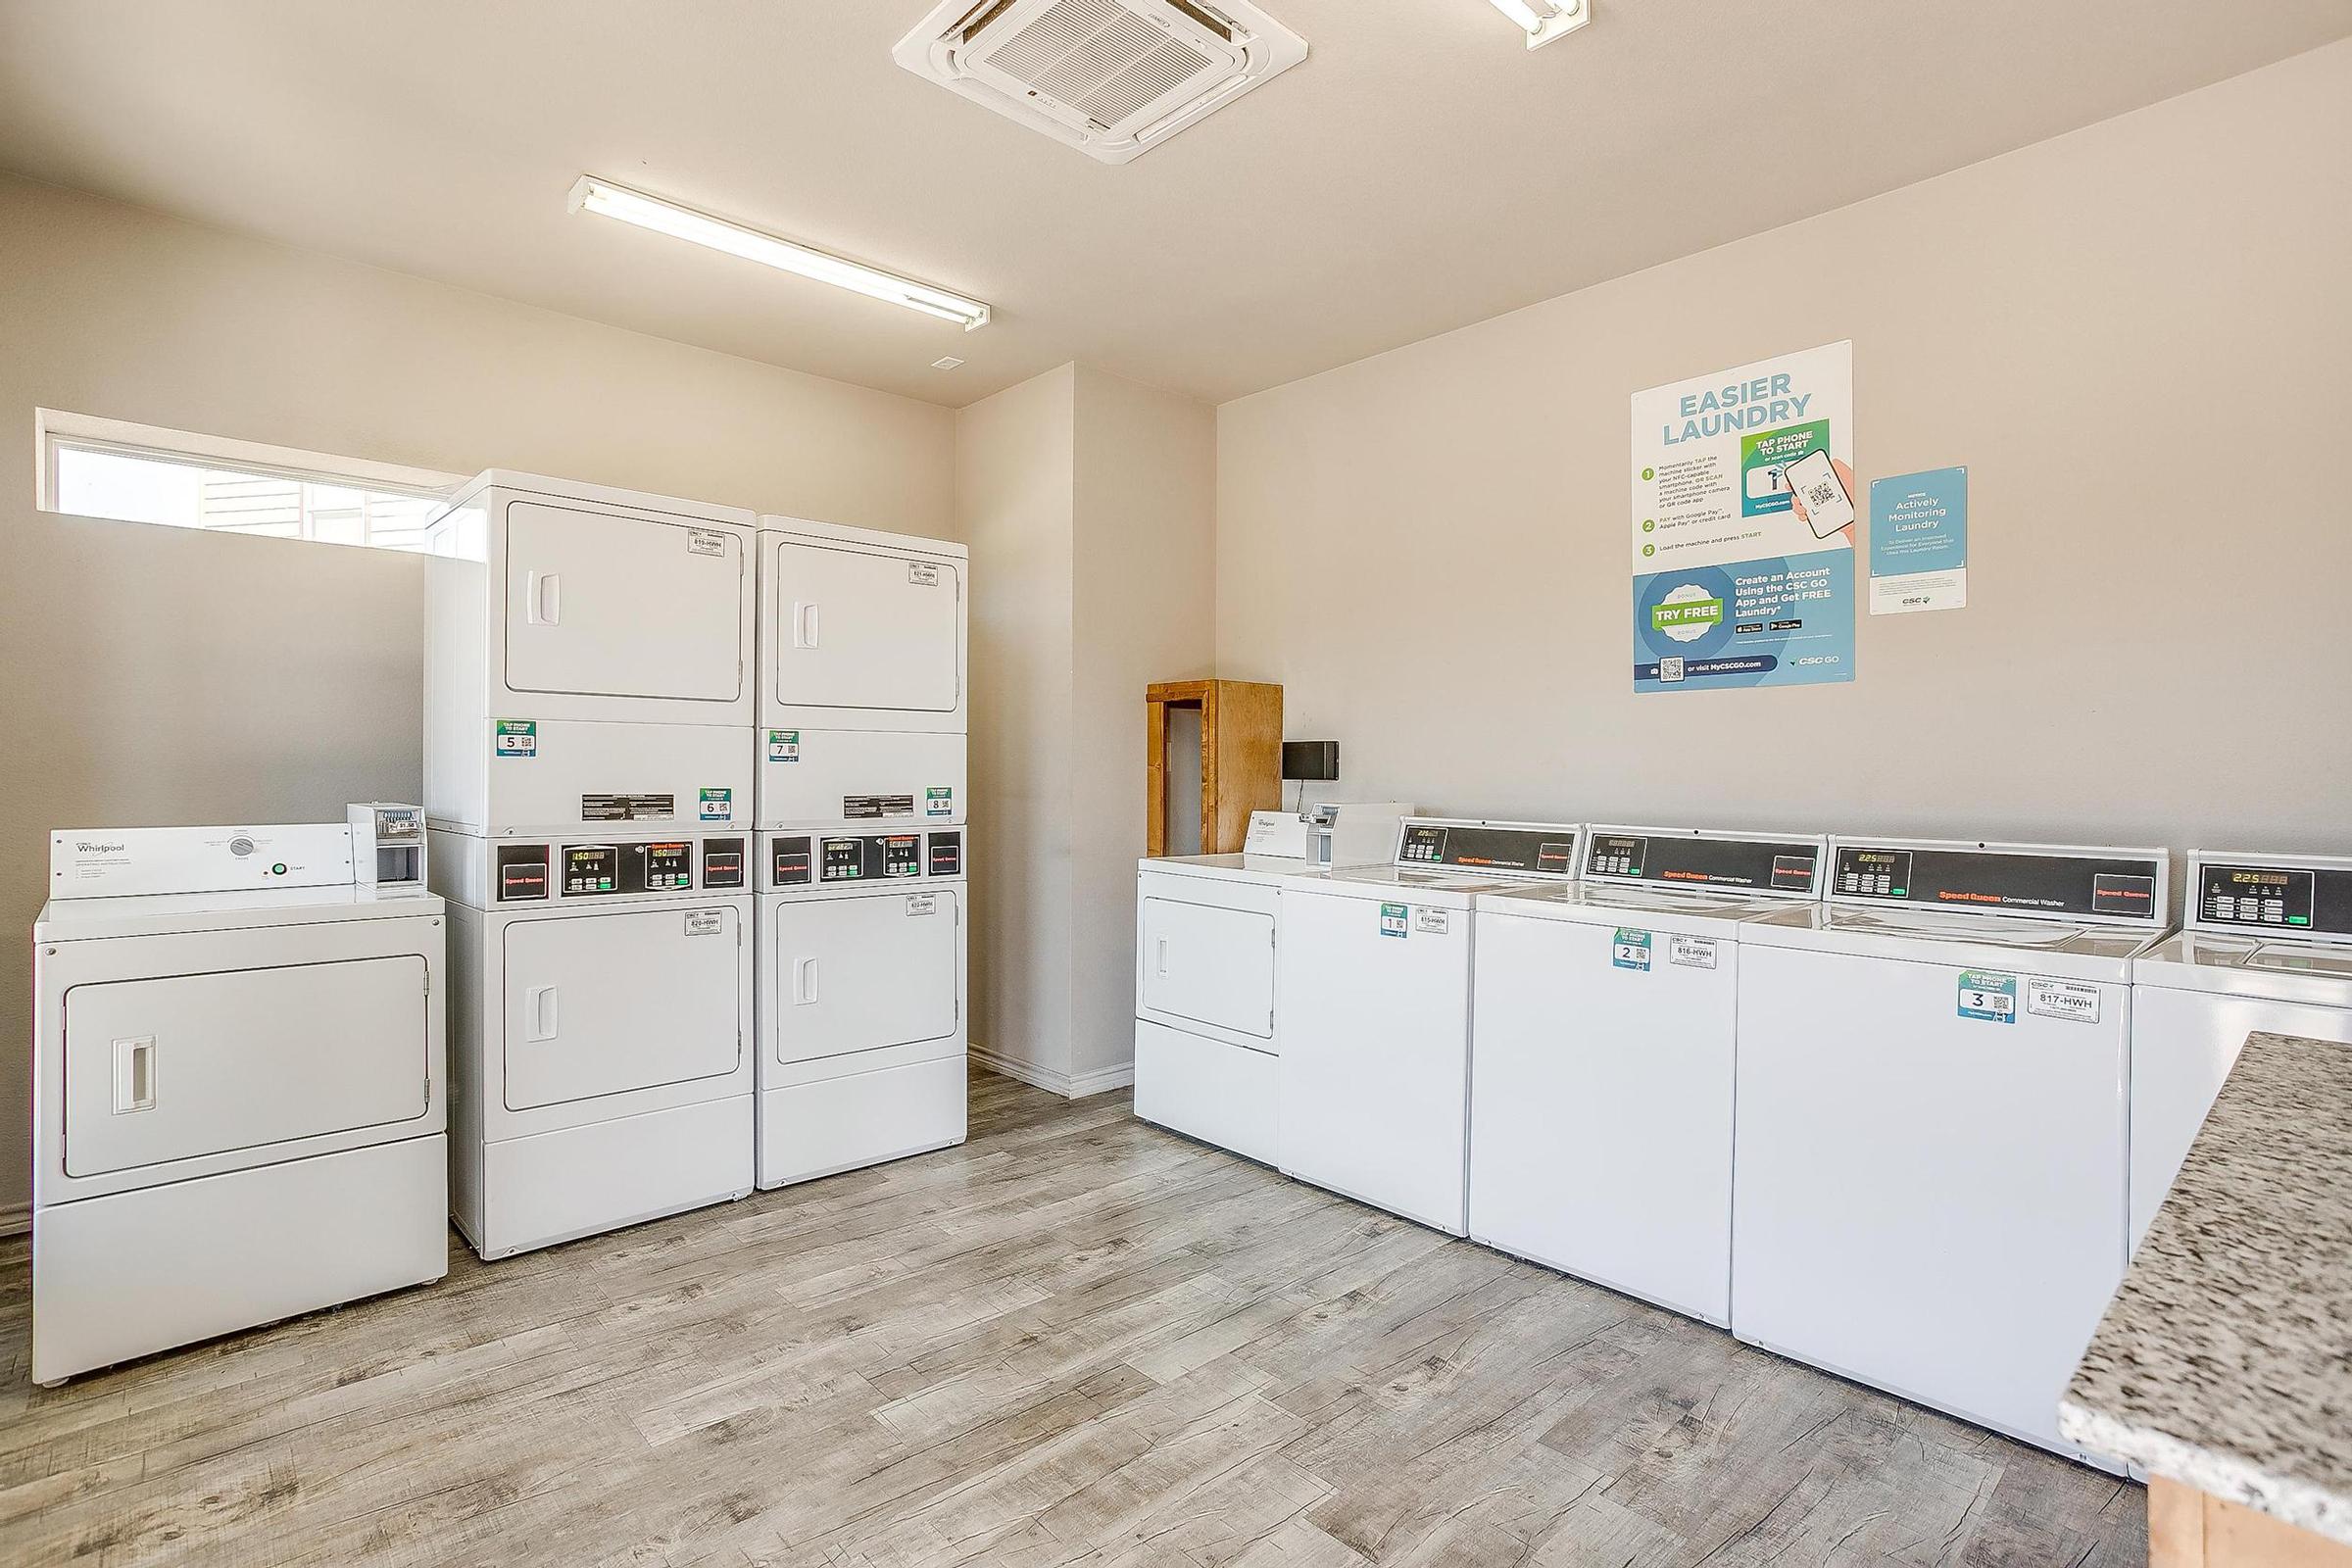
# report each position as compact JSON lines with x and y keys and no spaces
{"x":1240,"y":758}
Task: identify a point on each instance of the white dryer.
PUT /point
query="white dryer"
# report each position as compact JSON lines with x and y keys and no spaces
{"x":238,"y":1088}
{"x":862,"y":999}
{"x":1929,"y":1168}
{"x":1372,"y":987}
{"x":601,"y":1064}
{"x":1602,"y":1057}
{"x":588,"y":661}
{"x":2268,"y":946}
{"x":861,"y":676}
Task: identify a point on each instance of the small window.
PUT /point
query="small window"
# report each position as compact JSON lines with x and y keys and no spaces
{"x":92,"y":468}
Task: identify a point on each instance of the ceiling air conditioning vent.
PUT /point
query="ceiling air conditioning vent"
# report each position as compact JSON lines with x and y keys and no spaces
{"x":1114,"y":78}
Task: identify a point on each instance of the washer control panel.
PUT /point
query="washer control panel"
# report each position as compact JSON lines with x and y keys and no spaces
{"x":527,"y":873}
{"x":2121,"y":887}
{"x":1685,"y":858}
{"x":1515,"y":849}
{"x":2291,"y":898}
{"x":849,"y":860}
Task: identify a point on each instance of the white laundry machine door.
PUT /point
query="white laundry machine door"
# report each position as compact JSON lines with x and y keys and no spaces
{"x":1206,"y":963}
{"x":184,"y":1065}
{"x":2183,"y":1044}
{"x":1926,"y":1202}
{"x":1600,"y":1117}
{"x":857,"y":628}
{"x":620,"y":1000}
{"x":862,"y":973}
{"x":1375,"y":1065}
{"x":602,"y":603}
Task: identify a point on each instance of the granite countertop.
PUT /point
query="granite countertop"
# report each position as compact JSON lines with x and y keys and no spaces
{"x":2225,"y":1361}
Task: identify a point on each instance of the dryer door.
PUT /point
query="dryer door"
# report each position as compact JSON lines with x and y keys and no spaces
{"x":183,"y":1065}
{"x":858,"y":974}
{"x":1206,"y":964}
{"x":855,"y":629}
{"x":607,"y":1003}
{"x":606,"y":605}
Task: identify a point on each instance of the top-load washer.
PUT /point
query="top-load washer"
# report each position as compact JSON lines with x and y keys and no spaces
{"x":1373,"y":986}
{"x":238,"y":1084}
{"x":2267,"y":946}
{"x":862,"y":677}
{"x":1928,"y":1169}
{"x":587,"y":661}
{"x":1205,"y":931}
{"x":1602,"y":1057}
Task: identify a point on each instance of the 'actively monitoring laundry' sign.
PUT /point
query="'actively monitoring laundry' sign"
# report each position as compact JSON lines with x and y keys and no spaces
{"x":1743,"y":525}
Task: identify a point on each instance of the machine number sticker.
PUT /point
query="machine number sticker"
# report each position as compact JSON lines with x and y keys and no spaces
{"x":922,"y":903}
{"x":2063,"y":998}
{"x":783,"y":745}
{"x":1391,"y":920}
{"x":1988,"y":997}
{"x":718,"y":806}
{"x":922,"y":574}
{"x":706,"y":541}
{"x":1630,"y":950}
{"x":1432,"y":921}
{"x":1692,"y":952}
{"x":517,"y":737}
{"x":938,"y":802}
{"x":704,"y":922}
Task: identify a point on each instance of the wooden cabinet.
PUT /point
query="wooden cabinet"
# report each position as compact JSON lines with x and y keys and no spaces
{"x":1241,"y":757}
{"x":2192,"y":1529}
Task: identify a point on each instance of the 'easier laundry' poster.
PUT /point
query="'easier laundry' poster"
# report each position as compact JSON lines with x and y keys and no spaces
{"x":1743,"y":525}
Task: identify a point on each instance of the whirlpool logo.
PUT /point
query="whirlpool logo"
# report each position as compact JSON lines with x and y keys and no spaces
{"x":86,"y":847}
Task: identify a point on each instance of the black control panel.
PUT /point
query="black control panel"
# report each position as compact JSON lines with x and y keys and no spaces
{"x":2305,"y":900}
{"x":531,"y":873}
{"x":841,"y":860}
{"x":2011,"y":881}
{"x":1683,"y":859}
{"x":1487,"y":847}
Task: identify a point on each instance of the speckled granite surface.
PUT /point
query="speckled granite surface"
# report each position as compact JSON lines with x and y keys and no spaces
{"x":2225,"y":1361}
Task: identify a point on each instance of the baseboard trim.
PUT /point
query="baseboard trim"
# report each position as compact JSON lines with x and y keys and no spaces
{"x":1102,"y":1081}
{"x":14,"y":1218}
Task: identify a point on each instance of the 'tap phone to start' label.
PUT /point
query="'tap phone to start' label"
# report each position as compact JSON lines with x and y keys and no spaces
{"x":1988,"y":997}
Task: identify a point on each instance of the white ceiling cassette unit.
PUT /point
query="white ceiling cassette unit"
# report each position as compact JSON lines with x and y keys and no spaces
{"x":1114,"y":78}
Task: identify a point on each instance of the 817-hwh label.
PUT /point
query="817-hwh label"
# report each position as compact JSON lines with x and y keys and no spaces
{"x":2063,"y":998}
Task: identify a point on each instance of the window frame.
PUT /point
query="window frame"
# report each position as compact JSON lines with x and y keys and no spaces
{"x":55,"y":431}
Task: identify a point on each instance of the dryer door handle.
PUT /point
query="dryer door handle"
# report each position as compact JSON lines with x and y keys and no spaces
{"x":539,"y":1010}
{"x":1163,"y":954}
{"x":804,"y":625}
{"x":803,"y":982}
{"x":134,"y":1074}
{"x":543,"y":597}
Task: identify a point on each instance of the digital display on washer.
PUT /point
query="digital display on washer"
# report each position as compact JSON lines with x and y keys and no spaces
{"x":2291,"y":899}
{"x":591,"y":868}
{"x":1470,"y":846}
{"x":662,"y":867}
{"x":840,"y":860}
{"x":1689,"y":861}
{"x":2001,"y":881}
{"x":901,"y":855}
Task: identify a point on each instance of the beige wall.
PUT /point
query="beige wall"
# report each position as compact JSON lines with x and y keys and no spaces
{"x":2136,"y":337}
{"x":149,"y":675}
{"x":1015,"y":478}
{"x":1089,"y":503}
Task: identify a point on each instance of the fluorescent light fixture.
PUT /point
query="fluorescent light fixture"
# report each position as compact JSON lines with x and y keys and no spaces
{"x":607,"y":200}
{"x":1547,"y":21}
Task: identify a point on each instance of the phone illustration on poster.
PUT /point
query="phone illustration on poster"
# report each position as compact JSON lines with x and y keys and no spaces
{"x":1744,"y":513}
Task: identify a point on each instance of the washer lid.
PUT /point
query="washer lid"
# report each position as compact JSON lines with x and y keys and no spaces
{"x":1585,"y":903}
{"x":2315,"y":973}
{"x":1974,"y":942}
{"x":1397,"y":883}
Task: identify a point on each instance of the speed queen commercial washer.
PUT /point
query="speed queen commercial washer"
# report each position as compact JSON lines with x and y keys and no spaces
{"x":1601,"y":1058}
{"x":1928,"y":1172}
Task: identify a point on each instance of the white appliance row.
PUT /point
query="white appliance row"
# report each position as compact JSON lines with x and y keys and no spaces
{"x":1897,"y":1108}
{"x":639,"y":711}
{"x":238,"y":1081}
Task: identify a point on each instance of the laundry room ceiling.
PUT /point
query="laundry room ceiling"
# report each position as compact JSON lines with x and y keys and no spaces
{"x":1420,"y":171}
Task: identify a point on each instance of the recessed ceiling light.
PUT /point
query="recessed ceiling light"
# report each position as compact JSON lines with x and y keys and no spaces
{"x":948,"y":364}
{"x":1547,"y":21}
{"x":607,"y":200}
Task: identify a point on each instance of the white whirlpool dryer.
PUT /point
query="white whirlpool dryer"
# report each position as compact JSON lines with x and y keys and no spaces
{"x":861,"y":676}
{"x":862,"y":999}
{"x":1373,"y":982}
{"x":1602,"y":1057}
{"x":1928,"y":1188}
{"x":2268,"y":946}
{"x":602,"y":1061}
{"x":238,"y":1084}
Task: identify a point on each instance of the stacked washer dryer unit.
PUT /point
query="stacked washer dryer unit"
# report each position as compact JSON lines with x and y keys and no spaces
{"x":2267,"y":946}
{"x":1373,"y":986}
{"x":239,"y":1082}
{"x":1206,"y":927}
{"x":863,"y":847}
{"x":1928,"y":1180}
{"x":588,"y":780}
{"x":1604,"y":1044}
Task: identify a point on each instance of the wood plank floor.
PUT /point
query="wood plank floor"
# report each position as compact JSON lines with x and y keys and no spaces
{"x":1076,"y":1339}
